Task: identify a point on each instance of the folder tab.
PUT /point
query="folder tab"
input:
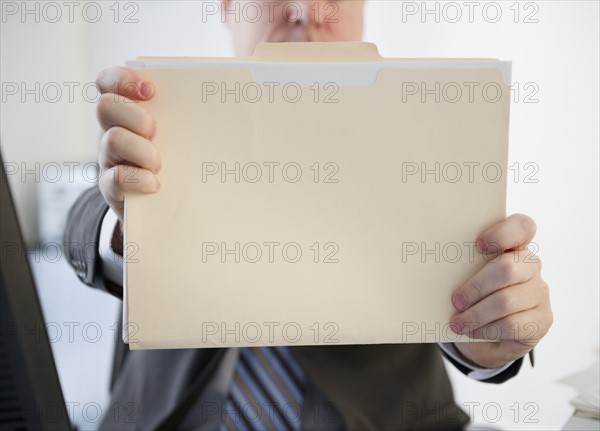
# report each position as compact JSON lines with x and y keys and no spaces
{"x":317,"y":52}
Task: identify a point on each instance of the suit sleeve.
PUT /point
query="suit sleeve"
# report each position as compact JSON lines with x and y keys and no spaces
{"x":505,"y":375}
{"x":81,"y":238}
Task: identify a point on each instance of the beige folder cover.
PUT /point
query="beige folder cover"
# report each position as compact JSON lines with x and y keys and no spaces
{"x":288,"y":220}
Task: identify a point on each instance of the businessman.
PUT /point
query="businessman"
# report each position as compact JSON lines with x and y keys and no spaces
{"x":365,"y":387}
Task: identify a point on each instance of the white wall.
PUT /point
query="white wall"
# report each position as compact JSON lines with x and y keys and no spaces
{"x":35,"y":50}
{"x":47,"y":55}
{"x":559,"y":54}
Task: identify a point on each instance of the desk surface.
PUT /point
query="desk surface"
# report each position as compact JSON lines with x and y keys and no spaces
{"x":582,"y":423}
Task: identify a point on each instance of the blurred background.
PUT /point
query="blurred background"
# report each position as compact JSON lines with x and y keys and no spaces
{"x":51,"y":53}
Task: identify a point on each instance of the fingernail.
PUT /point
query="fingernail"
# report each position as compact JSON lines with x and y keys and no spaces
{"x":457,"y":325}
{"x":482,"y":246}
{"x":460,"y":301}
{"x":146,"y":90}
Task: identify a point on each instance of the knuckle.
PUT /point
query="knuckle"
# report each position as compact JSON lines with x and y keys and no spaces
{"x":111,"y":79}
{"x":105,"y":104}
{"x":103,"y":76}
{"x":105,"y":101}
{"x":494,"y":243}
{"x":476,"y":287}
{"x":129,"y":175}
{"x":475,"y":318}
{"x":103,"y":161}
{"x":507,"y":268}
{"x":122,"y":176}
{"x":142,"y":122}
{"x":147,"y":181}
{"x":506,"y":302}
{"x":111,"y":139}
{"x":503,"y":327}
{"x":528,"y":224}
{"x":135,"y":178}
{"x":110,"y":182}
{"x":493,"y":330}
{"x":104,"y":184}
{"x":149,"y":185}
{"x":535,"y":260}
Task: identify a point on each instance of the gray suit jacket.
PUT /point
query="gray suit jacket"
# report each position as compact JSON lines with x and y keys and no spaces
{"x":362,"y":387}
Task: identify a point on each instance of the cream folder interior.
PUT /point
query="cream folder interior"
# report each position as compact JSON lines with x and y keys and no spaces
{"x":315,"y":193}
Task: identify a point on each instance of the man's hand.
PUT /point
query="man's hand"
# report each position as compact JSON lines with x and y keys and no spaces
{"x":506,"y":300}
{"x":128,"y":159}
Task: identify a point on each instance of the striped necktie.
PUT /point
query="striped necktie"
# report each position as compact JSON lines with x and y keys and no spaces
{"x":266,"y":392}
